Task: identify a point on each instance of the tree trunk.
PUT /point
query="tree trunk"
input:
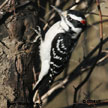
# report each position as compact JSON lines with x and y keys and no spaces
{"x":18,"y":53}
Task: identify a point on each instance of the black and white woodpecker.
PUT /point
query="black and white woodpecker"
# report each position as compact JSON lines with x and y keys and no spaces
{"x":58,"y":44}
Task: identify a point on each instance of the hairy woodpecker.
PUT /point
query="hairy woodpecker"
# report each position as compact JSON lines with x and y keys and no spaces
{"x":58,"y":44}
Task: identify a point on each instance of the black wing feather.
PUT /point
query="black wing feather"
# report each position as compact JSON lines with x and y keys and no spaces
{"x":61,"y":50}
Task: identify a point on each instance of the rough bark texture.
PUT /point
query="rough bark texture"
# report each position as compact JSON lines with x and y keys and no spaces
{"x":17,"y":54}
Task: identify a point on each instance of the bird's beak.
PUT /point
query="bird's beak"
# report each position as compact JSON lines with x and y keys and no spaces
{"x":61,"y":13}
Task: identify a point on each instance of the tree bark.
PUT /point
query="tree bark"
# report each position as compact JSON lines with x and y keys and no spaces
{"x":18,"y":54}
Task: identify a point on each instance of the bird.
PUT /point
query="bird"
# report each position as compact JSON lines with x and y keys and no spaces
{"x":59,"y":42}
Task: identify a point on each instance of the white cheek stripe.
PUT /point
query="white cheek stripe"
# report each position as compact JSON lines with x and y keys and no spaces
{"x":75,"y":17}
{"x":77,"y":30}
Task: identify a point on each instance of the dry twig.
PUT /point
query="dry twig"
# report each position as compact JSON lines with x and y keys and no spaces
{"x":60,"y":85}
{"x":3,"y":4}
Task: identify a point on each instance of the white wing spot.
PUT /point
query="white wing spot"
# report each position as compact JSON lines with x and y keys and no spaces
{"x":51,"y":75}
{"x":49,"y":81}
{"x":57,"y":57}
{"x":63,"y":46}
{"x":55,"y":65}
{"x":58,"y":43}
{"x":55,"y":72}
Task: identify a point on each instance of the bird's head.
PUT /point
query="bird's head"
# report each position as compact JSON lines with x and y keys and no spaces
{"x":74,"y":19}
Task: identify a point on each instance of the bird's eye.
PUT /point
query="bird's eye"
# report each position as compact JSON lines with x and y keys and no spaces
{"x":69,"y":18}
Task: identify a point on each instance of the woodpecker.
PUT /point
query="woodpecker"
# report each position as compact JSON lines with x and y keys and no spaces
{"x":57,"y":46}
